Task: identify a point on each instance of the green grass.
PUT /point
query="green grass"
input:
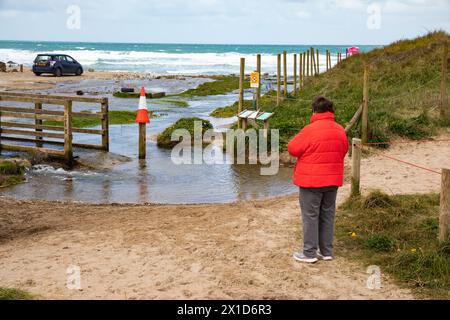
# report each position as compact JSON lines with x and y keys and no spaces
{"x":116,"y":117}
{"x":164,"y":138}
{"x":178,"y":103}
{"x":11,"y":174}
{"x":403,"y":93}
{"x":15,"y":294}
{"x":399,"y":234}
{"x":221,"y":85}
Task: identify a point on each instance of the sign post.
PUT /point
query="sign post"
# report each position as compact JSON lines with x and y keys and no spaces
{"x":254,"y":83}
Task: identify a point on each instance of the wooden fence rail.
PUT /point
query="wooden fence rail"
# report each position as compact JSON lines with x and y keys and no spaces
{"x":15,"y":131}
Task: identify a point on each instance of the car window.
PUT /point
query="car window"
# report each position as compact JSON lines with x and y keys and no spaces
{"x":69,"y":59}
{"x":61,"y":58}
{"x":43,"y":58}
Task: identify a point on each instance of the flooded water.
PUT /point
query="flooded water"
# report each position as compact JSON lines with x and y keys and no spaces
{"x":156,"y":179}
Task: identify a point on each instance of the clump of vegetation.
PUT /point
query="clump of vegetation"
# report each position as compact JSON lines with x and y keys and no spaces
{"x":164,"y":139}
{"x":15,"y":294}
{"x":380,"y":243}
{"x":11,"y":173}
{"x":221,"y":85}
{"x":116,"y":117}
{"x":178,"y":103}
{"x":399,"y":234}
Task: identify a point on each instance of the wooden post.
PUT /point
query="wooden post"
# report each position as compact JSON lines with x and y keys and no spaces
{"x":105,"y":125}
{"x":301,"y":66}
{"x":307,"y":63}
{"x":444,"y":217}
{"x":318,"y":63}
{"x":445,"y":112}
{"x":304,"y":68}
{"x":142,"y":140}
{"x":241,"y":90}
{"x":365,"y":113}
{"x":38,"y":122}
{"x":278,"y":79}
{"x":258,"y":90}
{"x":21,"y":68}
{"x":313,"y":62}
{"x":294,"y":92}
{"x":68,"y":151}
{"x":326,"y":60}
{"x":356,"y":168}
{"x":0,"y":130}
{"x":285,"y":73}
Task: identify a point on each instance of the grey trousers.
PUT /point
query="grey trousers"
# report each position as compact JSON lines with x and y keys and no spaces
{"x":318,"y":206}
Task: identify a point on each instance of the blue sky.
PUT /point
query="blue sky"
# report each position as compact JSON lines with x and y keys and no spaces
{"x":224,"y":21}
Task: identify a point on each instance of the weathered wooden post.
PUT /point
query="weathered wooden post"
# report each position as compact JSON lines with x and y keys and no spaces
{"x":105,"y":124}
{"x":21,"y":68}
{"x":307,"y":63}
{"x":142,"y":140}
{"x":313,"y":67}
{"x":278,"y":79}
{"x":285,"y":74}
{"x":38,"y":123}
{"x":301,"y":66}
{"x":68,"y":151}
{"x":326,"y":54}
{"x":258,"y":90}
{"x":365,"y":113}
{"x":356,"y":168}
{"x":444,"y":217}
{"x":318,"y":63}
{"x":445,"y":112}
{"x":294,"y":92}
{"x":241,"y":90}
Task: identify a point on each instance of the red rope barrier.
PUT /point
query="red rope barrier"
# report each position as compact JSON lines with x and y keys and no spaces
{"x":399,"y":160}
{"x":402,"y":142}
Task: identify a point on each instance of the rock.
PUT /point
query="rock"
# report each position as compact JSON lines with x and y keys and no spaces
{"x":80,"y":93}
{"x":2,"y":66}
{"x":91,"y":70}
{"x":127,"y":90}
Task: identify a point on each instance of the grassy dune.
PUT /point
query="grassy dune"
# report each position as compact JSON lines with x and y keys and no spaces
{"x":399,"y":234}
{"x":404,"y":92}
{"x":11,"y":173}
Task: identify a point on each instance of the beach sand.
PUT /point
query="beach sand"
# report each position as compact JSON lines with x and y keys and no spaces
{"x":230,"y":251}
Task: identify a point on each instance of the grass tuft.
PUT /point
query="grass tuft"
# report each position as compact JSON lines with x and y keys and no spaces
{"x":164,"y":139}
{"x":399,"y":234}
{"x":221,"y":85}
{"x":15,"y":294}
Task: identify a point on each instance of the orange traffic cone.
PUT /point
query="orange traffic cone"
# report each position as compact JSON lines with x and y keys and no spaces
{"x":142,"y":113}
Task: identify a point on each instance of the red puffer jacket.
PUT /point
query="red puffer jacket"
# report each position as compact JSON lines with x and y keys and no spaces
{"x":320,"y":148}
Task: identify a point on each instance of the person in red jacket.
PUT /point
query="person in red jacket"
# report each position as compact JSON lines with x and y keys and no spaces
{"x":320,"y":149}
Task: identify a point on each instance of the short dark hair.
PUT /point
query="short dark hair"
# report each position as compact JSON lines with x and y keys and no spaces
{"x":322,"y":104}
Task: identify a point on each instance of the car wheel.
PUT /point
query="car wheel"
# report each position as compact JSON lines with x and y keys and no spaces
{"x":37,"y":73}
{"x":58,"y":72}
{"x":79,"y":72}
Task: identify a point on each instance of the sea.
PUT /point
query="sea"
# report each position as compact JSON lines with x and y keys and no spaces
{"x":166,"y":59}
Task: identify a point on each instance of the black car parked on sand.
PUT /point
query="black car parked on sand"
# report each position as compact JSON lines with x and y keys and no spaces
{"x":56,"y":64}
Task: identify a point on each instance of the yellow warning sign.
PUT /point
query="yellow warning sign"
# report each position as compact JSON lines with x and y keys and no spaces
{"x":254,"y":80}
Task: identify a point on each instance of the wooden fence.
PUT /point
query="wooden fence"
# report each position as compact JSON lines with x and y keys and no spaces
{"x":13,"y":131}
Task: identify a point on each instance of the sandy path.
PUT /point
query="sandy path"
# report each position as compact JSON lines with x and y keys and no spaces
{"x":231,"y":251}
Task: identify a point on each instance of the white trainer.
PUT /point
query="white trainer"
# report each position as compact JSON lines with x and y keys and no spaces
{"x":324,"y":258}
{"x":302,"y":258}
